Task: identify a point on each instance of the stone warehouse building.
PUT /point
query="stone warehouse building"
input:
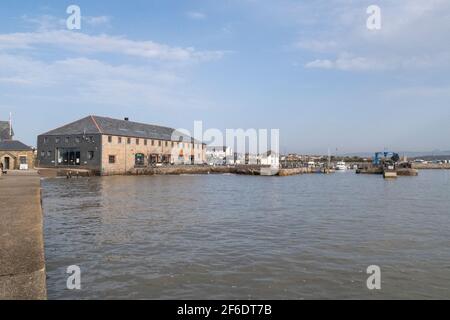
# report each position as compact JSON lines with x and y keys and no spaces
{"x":110,"y":146}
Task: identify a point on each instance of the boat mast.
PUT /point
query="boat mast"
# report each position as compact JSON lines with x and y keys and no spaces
{"x":329,"y":158}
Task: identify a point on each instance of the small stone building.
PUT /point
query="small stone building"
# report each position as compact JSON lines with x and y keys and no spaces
{"x":110,"y":146}
{"x":14,"y":155}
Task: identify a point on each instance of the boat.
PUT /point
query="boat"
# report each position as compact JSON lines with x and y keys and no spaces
{"x":341,"y":166}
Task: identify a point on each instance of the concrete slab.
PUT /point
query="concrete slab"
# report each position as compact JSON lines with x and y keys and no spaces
{"x":22,"y":261}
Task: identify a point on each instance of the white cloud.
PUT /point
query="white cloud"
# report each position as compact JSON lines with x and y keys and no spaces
{"x":92,"y":82}
{"x":44,"y":22}
{"x":196,"y":15}
{"x":411,"y":36}
{"x":348,"y":63}
{"x":84,"y":43}
{"x":97,"y":21}
{"x":55,"y":65}
{"x":323,"y":64}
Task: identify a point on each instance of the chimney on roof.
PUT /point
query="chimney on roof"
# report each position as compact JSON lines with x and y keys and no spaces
{"x":126,"y":119}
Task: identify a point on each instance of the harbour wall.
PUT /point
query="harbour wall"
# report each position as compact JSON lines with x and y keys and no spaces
{"x":22,"y":267}
{"x":174,"y":170}
{"x":431,"y":166}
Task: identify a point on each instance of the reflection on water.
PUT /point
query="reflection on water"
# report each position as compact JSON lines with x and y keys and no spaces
{"x":239,"y":237}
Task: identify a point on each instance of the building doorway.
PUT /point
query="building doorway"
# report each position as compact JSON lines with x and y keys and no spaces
{"x":153,"y":159}
{"x":7,"y":163}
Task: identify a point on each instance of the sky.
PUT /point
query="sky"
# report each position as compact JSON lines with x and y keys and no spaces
{"x":311,"y":69}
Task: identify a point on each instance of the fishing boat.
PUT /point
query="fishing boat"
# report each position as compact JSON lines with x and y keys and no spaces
{"x":341,"y":166}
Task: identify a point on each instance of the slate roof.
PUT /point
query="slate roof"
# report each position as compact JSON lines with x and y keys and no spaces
{"x":13,"y":145}
{"x":114,"y":127}
{"x":4,"y":130}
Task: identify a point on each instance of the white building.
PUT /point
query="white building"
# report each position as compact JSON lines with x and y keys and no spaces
{"x":270,"y":158}
{"x":219,"y":155}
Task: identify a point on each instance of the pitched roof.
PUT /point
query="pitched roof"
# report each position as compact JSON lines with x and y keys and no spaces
{"x":115,"y":127}
{"x":13,"y":145}
{"x":4,"y":130}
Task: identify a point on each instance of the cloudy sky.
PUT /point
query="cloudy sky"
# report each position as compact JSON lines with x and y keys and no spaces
{"x":309,"y":68}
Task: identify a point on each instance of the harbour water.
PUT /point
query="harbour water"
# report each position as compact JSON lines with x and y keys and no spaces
{"x":247,"y":237}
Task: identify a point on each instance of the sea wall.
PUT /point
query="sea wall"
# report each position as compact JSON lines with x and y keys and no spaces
{"x":294,"y":171}
{"x":435,"y":166}
{"x":175,"y":170}
{"x":22,"y":267}
{"x":200,"y":169}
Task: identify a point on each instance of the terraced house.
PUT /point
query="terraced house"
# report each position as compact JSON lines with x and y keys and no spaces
{"x":111,"y":146}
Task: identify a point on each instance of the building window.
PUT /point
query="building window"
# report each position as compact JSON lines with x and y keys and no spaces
{"x":153,"y":142}
{"x":139,"y":159}
{"x":45,"y":140}
{"x":77,"y":139}
{"x":110,"y":139}
{"x":57,"y":139}
{"x":167,"y":143}
{"x":23,"y":160}
{"x":145,"y":142}
{"x":120,"y":139}
{"x":137,"y":141}
{"x":173,"y":144}
{"x":49,"y":154}
{"x":112,"y":159}
{"x":42,"y":154}
{"x":159,"y":143}
{"x":67,"y":140}
{"x":90,"y":155}
{"x":129,"y":140}
{"x":91,"y":139}
{"x":68,"y":157}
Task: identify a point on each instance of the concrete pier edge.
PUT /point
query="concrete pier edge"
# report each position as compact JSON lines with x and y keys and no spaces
{"x":22,"y":267}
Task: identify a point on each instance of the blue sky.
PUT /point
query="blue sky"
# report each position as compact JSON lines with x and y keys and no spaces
{"x":309,"y":68}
